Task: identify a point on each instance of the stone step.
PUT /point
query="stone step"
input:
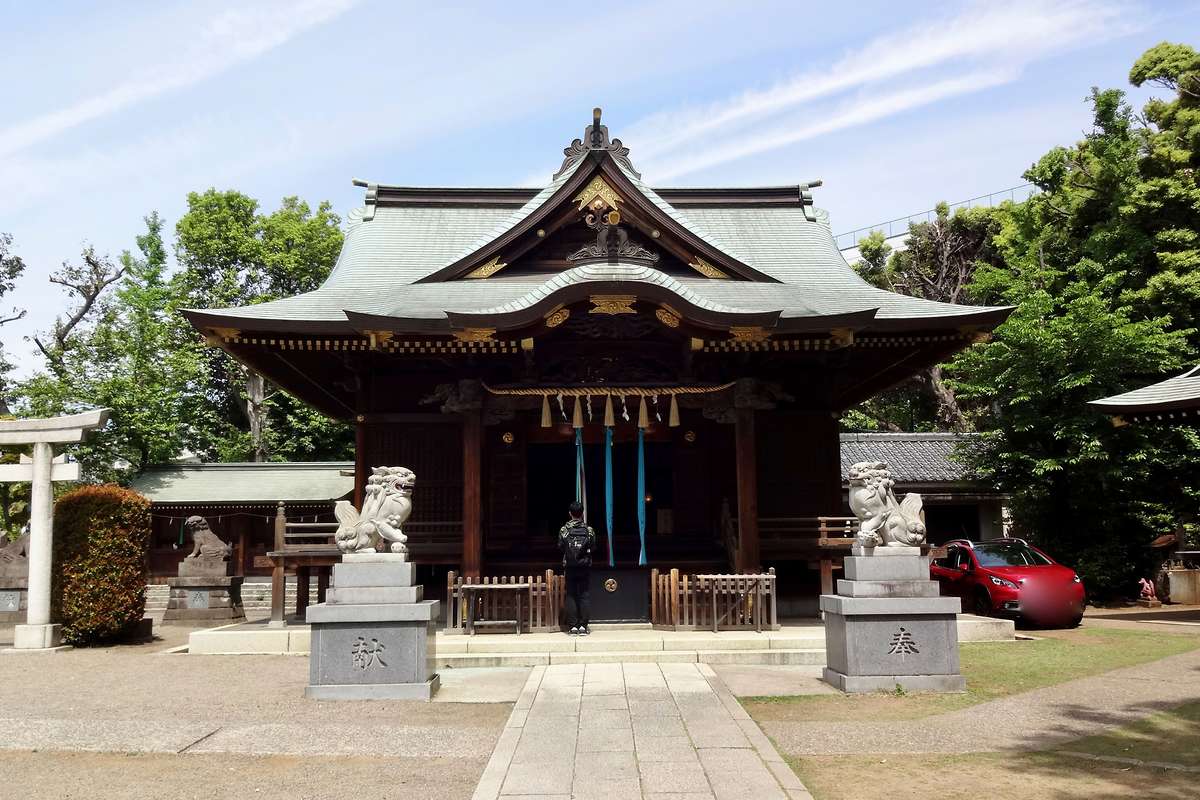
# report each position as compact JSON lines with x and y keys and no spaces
{"x":791,"y":657}
{"x":557,"y":643}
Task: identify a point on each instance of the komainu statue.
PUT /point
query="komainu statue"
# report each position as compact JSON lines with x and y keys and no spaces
{"x":387,"y":504}
{"x":14,"y":557}
{"x":205,"y":544}
{"x":881,"y":520}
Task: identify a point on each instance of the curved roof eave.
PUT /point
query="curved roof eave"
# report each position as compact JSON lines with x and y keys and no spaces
{"x":1173,"y":394}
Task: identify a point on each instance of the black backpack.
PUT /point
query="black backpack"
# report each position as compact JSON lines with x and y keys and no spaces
{"x":577,"y":546}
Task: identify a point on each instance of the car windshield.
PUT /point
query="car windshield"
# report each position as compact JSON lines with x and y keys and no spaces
{"x":1009,"y":554}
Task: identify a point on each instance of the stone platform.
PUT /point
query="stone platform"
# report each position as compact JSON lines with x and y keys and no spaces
{"x":204,"y":597}
{"x":887,"y":626}
{"x":14,"y":598}
{"x":798,"y":642}
{"x":374,"y":636}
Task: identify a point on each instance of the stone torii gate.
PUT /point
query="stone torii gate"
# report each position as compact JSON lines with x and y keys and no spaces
{"x":38,"y":633}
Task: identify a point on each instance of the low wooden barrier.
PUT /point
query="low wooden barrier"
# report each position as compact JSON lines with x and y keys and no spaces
{"x":540,"y":609}
{"x":713,"y":602}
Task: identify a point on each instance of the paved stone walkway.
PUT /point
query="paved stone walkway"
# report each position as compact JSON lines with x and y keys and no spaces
{"x":1035,"y":720}
{"x":617,"y":731}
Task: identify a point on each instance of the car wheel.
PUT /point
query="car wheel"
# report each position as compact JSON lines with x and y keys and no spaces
{"x":1075,"y":622}
{"x":982,"y":606}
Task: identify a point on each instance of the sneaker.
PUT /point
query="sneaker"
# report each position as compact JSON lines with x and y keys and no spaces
{"x":574,"y":631}
{"x":584,"y":631}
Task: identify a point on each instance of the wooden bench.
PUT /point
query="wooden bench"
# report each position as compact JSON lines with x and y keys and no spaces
{"x":472,"y":591}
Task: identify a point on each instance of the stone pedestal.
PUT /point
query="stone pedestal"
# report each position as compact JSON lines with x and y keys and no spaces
{"x":373,"y":637}
{"x":887,"y":626}
{"x":14,"y":598}
{"x":204,"y":598}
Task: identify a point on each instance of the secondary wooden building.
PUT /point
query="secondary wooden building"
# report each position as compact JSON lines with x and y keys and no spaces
{"x":678,"y":358}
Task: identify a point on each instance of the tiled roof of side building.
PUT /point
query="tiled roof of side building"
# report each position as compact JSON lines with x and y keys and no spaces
{"x":266,"y":482}
{"x":911,"y":457}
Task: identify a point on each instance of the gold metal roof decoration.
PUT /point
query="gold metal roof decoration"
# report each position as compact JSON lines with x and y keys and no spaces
{"x":557,"y":317}
{"x":749,"y":333}
{"x":475,"y":335}
{"x":487,"y":270}
{"x":379,"y":338}
{"x":707,"y":270}
{"x":598,"y":195}
{"x":612,"y":304}
{"x":667,"y":316}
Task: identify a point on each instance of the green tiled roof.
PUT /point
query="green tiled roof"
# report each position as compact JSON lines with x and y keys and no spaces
{"x":1178,"y":393}
{"x":269,"y":482}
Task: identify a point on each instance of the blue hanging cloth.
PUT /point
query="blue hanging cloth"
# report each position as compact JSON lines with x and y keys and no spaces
{"x":641,"y":488}
{"x":608,"y":492}
{"x":580,"y":476}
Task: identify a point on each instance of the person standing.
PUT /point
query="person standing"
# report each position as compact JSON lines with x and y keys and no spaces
{"x":576,"y":541}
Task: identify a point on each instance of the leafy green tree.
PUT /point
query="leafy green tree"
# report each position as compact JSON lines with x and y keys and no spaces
{"x":11,"y":267}
{"x":233,"y":255}
{"x":128,"y":352}
{"x":1084,"y":262}
{"x":937,"y":263}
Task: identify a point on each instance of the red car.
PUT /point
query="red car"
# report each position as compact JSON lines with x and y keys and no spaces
{"x":1010,"y":578}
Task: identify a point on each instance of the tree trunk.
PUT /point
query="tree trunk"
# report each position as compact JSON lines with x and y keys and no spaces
{"x":256,"y":392}
{"x":948,"y":411}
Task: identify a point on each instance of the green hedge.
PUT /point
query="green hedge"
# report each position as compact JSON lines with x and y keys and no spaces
{"x":101,"y":538}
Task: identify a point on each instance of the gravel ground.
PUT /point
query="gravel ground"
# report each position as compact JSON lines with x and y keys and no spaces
{"x":1030,"y":721}
{"x":113,"y":776}
{"x":136,"y":721}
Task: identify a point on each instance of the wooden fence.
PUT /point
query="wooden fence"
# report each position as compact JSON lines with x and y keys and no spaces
{"x":541,"y":607}
{"x":713,"y":602}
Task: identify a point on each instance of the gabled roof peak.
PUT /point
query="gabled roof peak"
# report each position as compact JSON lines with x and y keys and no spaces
{"x":595,"y":137}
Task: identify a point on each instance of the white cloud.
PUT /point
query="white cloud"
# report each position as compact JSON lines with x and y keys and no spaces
{"x":227,"y":39}
{"x":997,"y":38}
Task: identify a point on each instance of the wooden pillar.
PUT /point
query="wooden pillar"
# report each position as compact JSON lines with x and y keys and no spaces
{"x":278,"y":585}
{"x":360,"y":459}
{"x":242,"y":524}
{"x":302,"y":580}
{"x":747,"y":490}
{"x":472,"y":506}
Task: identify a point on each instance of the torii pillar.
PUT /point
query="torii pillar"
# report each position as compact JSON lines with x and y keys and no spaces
{"x":38,"y":633}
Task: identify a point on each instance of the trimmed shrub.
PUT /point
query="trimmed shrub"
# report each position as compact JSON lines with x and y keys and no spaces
{"x":101,"y":538}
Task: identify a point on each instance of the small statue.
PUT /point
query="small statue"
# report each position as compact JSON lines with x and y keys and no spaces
{"x":387,"y":504}
{"x":205,"y":544}
{"x":14,"y":557}
{"x":882,"y":520}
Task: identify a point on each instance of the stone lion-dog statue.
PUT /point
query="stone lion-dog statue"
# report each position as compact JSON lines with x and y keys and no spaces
{"x":387,"y":504}
{"x":882,"y":521}
{"x":205,"y":544}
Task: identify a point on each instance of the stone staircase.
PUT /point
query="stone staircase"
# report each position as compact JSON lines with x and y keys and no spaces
{"x":256,"y":596}
{"x":799,"y":645}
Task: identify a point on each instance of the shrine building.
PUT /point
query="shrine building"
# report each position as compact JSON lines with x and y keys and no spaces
{"x":677,"y":358}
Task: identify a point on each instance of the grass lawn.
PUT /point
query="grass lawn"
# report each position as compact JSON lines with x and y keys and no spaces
{"x":984,"y":775}
{"x":992,"y":669}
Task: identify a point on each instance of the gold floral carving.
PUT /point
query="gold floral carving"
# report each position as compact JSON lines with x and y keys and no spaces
{"x":748,"y":333}
{"x":475,"y":335}
{"x":598,"y":189}
{"x":707,"y":270}
{"x":668,"y":317}
{"x":612,"y":304}
{"x":487,"y":270}
{"x":557,"y":317}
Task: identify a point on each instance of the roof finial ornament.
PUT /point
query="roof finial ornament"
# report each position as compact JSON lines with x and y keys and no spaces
{"x":596,"y":136}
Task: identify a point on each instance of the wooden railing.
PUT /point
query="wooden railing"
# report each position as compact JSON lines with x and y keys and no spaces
{"x":713,"y":602}
{"x":540,"y":609}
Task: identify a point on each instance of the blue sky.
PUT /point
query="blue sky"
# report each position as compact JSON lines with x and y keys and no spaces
{"x":113,"y":110}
